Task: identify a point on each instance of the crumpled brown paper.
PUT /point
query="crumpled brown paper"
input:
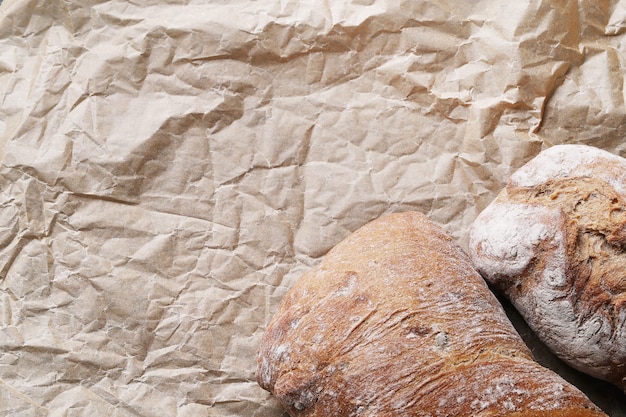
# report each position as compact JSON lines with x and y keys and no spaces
{"x":170,"y":168}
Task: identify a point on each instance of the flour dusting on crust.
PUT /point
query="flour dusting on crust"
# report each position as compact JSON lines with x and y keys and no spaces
{"x":505,"y":238}
{"x":553,"y":242}
{"x":395,"y":321}
{"x":565,"y":161}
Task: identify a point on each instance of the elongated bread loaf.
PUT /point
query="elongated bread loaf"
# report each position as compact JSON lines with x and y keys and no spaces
{"x":395,"y":321}
{"x":553,"y":242}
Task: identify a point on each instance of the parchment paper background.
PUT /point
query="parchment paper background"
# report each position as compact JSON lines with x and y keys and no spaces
{"x":170,"y":168}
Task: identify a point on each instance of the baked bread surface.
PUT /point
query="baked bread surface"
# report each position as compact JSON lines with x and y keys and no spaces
{"x":395,"y":321}
{"x":553,"y":242}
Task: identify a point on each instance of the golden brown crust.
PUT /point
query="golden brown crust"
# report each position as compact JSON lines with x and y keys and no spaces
{"x":565,"y":214}
{"x":396,"y":322}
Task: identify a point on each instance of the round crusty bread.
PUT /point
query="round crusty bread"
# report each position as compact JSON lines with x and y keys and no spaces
{"x":553,"y":241}
{"x":395,"y":321}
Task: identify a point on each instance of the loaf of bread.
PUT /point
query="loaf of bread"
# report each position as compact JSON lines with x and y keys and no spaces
{"x":553,"y":241}
{"x":395,"y":321}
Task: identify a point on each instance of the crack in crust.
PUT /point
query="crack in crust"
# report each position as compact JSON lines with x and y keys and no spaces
{"x":395,"y":321}
{"x":595,"y":220}
{"x":554,"y":242}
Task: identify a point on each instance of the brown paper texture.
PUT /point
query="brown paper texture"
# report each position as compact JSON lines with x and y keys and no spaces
{"x":170,"y":168}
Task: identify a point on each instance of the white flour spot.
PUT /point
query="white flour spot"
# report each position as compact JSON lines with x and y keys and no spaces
{"x":442,"y":339}
{"x":564,"y":161}
{"x":347,"y":289}
{"x":504,"y":237}
{"x":282,"y":352}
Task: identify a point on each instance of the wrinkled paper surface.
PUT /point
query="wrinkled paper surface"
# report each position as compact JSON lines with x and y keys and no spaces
{"x":170,"y":168}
